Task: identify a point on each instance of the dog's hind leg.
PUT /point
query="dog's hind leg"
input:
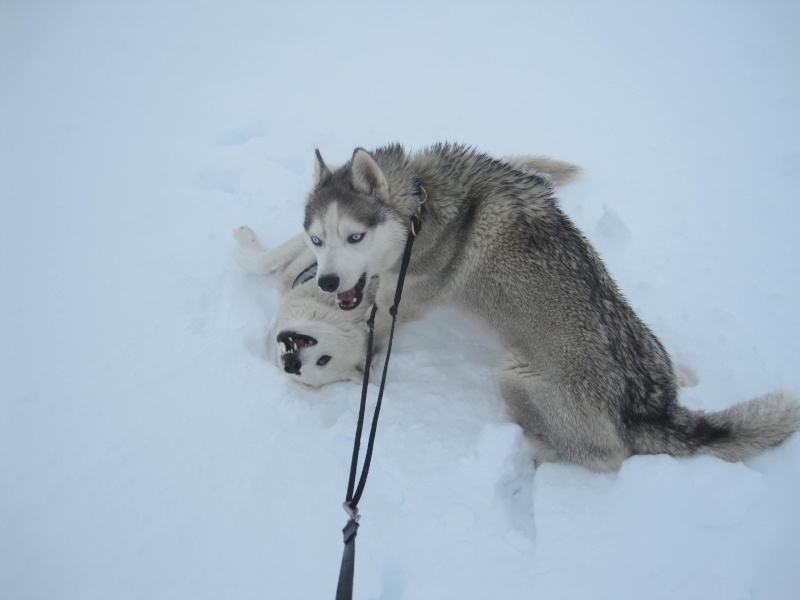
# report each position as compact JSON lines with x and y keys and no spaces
{"x":558,"y":427}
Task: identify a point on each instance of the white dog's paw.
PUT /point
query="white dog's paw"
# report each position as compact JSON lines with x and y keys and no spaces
{"x":247,"y":238}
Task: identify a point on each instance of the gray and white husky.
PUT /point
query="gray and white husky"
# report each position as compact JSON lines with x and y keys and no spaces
{"x":315,"y":342}
{"x":585,"y":378}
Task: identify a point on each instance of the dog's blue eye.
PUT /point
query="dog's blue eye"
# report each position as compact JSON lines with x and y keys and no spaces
{"x":355,"y":238}
{"x":316,"y":241}
{"x":323,"y":360}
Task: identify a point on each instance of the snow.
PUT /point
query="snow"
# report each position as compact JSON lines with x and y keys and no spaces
{"x":149,"y":450}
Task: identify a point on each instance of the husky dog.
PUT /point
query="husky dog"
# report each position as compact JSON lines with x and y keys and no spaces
{"x":585,"y":378}
{"x":316,"y":343}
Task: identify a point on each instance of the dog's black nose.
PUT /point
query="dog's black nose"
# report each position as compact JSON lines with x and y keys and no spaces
{"x":329,"y":283}
{"x":292,"y":364}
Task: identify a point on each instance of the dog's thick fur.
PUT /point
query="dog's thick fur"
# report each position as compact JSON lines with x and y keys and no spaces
{"x":585,"y":378}
{"x":306,"y":313}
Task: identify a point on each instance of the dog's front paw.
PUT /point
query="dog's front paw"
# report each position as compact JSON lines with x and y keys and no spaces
{"x":246,"y":237}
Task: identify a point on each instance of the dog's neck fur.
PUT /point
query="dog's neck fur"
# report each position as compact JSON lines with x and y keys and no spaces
{"x":403,"y":181}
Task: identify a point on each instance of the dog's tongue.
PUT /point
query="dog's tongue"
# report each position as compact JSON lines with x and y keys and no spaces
{"x":347,"y":297}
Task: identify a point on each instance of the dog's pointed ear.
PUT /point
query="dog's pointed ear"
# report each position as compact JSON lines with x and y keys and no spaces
{"x":367,"y":175}
{"x":321,"y":171}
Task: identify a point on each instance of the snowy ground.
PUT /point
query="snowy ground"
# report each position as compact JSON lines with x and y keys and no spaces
{"x":147,"y":448}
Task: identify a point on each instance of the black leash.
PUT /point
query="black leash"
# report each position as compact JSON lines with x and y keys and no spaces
{"x":344,"y":590}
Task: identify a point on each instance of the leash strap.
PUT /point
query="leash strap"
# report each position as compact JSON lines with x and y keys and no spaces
{"x":344,"y":590}
{"x":349,"y":505}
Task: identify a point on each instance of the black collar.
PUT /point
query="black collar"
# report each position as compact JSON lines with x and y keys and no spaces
{"x":306,"y":275}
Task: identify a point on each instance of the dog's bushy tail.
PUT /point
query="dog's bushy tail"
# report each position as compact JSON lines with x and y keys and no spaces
{"x":737,"y":432}
{"x":558,"y":172}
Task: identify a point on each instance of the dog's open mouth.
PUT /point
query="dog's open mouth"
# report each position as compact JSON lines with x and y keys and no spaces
{"x":351,"y":298}
{"x":294,"y":342}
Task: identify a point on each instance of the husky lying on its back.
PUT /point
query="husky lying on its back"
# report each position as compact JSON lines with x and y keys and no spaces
{"x":585,"y":378}
{"x":317,"y":343}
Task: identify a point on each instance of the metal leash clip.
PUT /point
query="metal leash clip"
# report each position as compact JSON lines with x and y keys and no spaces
{"x":351,"y":512}
{"x":415,"y":222}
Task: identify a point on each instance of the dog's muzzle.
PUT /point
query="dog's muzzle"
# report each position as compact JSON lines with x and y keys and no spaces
{"x":293,"y":343}
{"x":292,"y":364}
{"x":328,"y":283}
{"x":350,"y":299}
